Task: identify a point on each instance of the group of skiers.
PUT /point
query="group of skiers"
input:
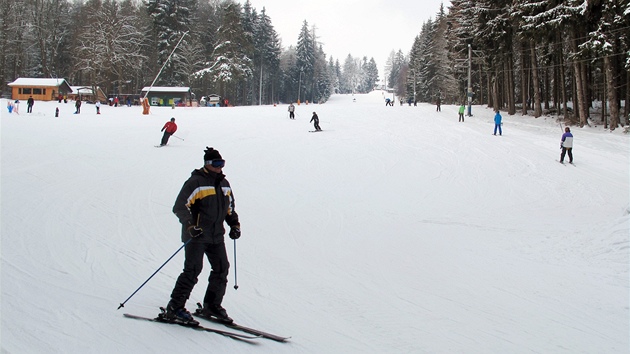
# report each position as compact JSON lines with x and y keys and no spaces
{"x":567,"y":137}
{"x":314,"y":118}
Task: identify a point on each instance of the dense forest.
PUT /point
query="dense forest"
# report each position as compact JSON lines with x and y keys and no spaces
{"x":223,"y":47}
{"x":532,"y":56}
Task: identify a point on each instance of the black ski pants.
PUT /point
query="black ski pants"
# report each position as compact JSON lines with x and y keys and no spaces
{"x":193,"y":264}
{"x":165,"y":138}
{"x":566,"y":151}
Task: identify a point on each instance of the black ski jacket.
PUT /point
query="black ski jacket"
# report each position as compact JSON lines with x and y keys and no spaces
{"x":206,"y":200}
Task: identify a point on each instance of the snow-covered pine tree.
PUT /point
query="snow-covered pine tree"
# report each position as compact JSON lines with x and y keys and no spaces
{"x":349,"y":75}
{"x":335,"y":73}
{"x":397,"y":75}
{"x":494,"y":33}
{"x":323,"y":79}
{"x":268,"y":49}
{"x":229,"y":65}
{"x":288,"y":78}
{"x":171,"y":19}
{"x":305,"y":61}
{"x":460,"y":32}
{"x":604,"y":43}
{"x":249,"y":19}
{"x":445,"y":82}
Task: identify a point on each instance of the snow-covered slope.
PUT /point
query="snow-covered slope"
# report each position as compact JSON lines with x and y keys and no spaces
{"x":396,"y":229}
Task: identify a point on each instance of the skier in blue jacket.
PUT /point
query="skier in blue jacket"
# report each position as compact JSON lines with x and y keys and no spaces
{"x":566,"y":145}
{"x":497,"y":123}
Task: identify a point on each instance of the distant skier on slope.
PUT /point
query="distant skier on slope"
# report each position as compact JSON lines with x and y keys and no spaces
{"x":77,"y":105}
{"x":291,"y":111}
{"x":169,"y":129}
{"x":315,"y":119}
{"x":497,"y":123}
{"x":566,"y":145}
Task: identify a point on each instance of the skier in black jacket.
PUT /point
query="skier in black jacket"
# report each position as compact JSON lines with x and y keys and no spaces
{"x":315,"y":119}
{"x":204,"y":203}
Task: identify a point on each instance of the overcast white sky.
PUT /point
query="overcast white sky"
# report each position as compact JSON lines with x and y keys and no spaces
{"x":371,"y":28}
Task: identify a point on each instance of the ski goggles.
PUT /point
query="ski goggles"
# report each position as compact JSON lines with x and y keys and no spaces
{"x":216,"y":163}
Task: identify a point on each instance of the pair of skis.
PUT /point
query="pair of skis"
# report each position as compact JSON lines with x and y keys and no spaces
{"x":562,"y":162}
{"x":251,"y":332}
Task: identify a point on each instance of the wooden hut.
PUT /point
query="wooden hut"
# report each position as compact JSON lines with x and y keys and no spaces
{"x":39,"y":89}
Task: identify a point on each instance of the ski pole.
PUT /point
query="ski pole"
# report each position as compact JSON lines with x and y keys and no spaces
{"x":235,"y":279}
{"x":134,"y":293}
{"x":175,"y":136}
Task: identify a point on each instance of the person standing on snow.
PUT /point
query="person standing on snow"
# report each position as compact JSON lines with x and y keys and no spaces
{"x":291,"y":111}
{"x":98,"y":107}
{"x":438,"y":104}
{"x":566,"y":144}
{"x":204,"y":203}
{"x":169,"y":129}
{"x":29,"y":104}
{"x":462,"y":109}
{"x":315,"y":119}
{"x":77,"y":104}
{"x":497,"y":123}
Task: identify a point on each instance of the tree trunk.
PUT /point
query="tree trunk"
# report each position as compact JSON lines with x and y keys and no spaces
{"x":579,"y":101}
{"x":565,"y":104}
{"x":612,"y":93}
{"x":604,"y":105}
{"x":495,"y":91}
{"x":480,"y":96}
{"x":589,"y":84}
{"x":536,"y":83}
{"x":510,"y":89}
{"x":490,"y":89}
{"x":626,"y":113}
{"x":546,"y":88}
{"x":524,"y":79}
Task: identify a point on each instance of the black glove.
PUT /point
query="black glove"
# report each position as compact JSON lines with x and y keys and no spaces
{"x":194,"y":231}
{"x":235,"y":232}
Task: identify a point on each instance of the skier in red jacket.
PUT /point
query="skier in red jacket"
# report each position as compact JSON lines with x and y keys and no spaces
{"x":169,"y":129}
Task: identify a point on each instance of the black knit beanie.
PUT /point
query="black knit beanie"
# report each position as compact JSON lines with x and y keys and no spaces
{"x":211,"y":154}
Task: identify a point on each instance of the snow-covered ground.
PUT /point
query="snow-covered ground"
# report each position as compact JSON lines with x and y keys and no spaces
{"x":395,"y":230}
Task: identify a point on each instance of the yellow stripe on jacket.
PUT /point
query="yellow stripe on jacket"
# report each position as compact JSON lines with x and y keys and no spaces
{"x":200,"y":193}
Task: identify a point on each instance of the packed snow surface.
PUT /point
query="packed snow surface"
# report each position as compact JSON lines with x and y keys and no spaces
{"x":395,"y":230}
